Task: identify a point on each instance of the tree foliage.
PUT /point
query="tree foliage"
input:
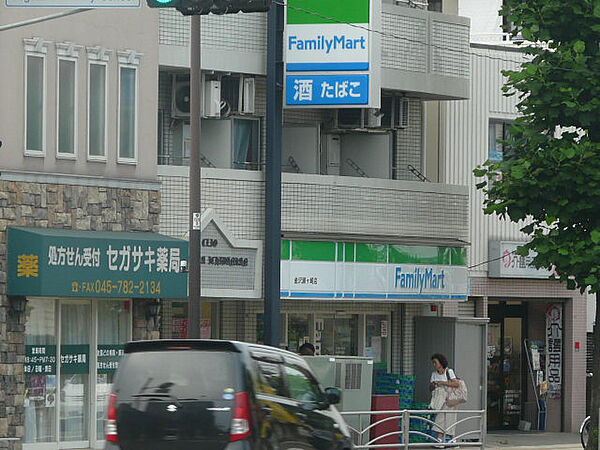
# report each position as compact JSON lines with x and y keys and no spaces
{"x":550,"y":176}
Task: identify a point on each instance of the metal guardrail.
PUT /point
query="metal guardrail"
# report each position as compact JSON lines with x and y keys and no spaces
{"x":467,"y":437}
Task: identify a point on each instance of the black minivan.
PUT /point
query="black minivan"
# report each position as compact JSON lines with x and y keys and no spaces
{"x":220,"y":395}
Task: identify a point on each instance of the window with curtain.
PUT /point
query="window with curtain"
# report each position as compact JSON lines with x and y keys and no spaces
{"x":246,"y":142}
{"x":34,"y":104}
{"x":97,"y":111}
{"x":498,"y":131}
{"x":66,"y":106}
{"x":127,"y":112}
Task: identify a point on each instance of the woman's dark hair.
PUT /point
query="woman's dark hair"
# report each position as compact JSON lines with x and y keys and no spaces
{"x":442,"y":359}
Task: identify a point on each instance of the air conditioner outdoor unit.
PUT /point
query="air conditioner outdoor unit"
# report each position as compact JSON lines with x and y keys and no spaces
{"x":212,"y":98}
{"x":180,"y":98}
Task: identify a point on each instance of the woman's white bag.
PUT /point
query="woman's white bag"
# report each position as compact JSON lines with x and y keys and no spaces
{"x":456,"y":395}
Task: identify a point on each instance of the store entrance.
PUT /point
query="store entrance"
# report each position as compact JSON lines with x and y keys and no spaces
{"x":506,"y":365}
{"x":72,"y":352}
{"x":336,"y":335}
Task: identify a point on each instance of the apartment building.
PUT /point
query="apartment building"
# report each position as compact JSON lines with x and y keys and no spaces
{"x":537,"y":328}
{"x":361,"y":192}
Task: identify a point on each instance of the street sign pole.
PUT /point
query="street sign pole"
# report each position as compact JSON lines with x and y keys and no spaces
{"x":272,"y":315}
{"x":195,"y":285}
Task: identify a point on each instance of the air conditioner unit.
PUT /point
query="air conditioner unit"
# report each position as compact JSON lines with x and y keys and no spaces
{"x":401,"y":112}
{"x":180,"y":98}
{"x":212,"y":98}
{"x":248,"y":95}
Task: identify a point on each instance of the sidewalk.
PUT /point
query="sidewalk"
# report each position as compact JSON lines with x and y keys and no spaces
{"x":533,"y":440}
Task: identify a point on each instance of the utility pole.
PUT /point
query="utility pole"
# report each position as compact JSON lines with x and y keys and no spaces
{"x":272,"y":272}
{"x":197,"y":8}
{"x":195,"y":263}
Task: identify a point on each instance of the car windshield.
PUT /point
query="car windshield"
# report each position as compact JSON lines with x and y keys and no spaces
{"x":177,"y":375}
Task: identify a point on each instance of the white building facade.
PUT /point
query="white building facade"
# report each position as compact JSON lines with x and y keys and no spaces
{"x":519,"y":300}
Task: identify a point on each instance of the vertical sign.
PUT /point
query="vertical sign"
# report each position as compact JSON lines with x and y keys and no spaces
{"x":331,"y":54}
{"x":554,"y":349}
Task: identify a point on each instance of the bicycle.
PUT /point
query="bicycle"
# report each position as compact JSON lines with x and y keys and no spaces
{"x":584,"y":431}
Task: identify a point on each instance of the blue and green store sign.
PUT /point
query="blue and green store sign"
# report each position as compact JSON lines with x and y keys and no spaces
{"x":70,"y":263}
{"x":372,"y":271}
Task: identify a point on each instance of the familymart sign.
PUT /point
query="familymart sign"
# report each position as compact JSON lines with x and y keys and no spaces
{"x":363,"y":271}
{"x":331,"y":54}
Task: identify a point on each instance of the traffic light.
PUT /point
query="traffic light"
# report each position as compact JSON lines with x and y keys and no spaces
{"x":201,"y":7}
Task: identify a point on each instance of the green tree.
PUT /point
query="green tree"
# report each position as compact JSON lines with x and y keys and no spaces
{"x":550,"y":176}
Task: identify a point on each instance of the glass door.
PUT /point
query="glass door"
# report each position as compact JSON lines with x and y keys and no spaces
{"x":506,"y":333}
{"x":40,"y":372}
{"x":74,"y":373}
{"x":337,"y":335}
{"x":67,"y":382}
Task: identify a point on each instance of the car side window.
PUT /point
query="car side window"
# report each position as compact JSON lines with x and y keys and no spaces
{"x":301,"y":385}
{"x":270,"y":380}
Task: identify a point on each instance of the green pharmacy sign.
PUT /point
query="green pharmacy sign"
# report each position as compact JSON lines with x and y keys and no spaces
{"x":69,"y":263}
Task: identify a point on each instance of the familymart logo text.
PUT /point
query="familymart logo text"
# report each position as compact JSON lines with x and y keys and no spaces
{"x":327,"y":44}
{"x":420,"y":278}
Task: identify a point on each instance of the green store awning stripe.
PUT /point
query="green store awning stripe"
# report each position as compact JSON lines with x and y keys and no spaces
{"x":301,"y":12}
{"x":372,"y":253}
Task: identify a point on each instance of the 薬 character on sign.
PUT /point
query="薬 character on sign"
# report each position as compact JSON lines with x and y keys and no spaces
{"x":174,"y":260}
{"x":150,"y":260}
{"x":125,"y":253}
{"x":28,"y":266}
{"x":303,"y":90}
{"x":137,"y":256}
{"x":162,"y":259}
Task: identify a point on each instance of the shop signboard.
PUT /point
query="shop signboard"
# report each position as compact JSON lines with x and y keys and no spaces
{"x":231,"y":267}
{"x":505,"y":263}
{"x":332,"y":54}
{"x":69,"y":263}
{"x":362,"y":271}
{"x":554,"y":350}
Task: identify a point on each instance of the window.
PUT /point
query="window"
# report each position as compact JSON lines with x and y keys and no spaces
{"x":302,"y":386}
{"x":97,"y":111}
{"x":127,"y":113}
{"x":435,"y":5}
{"x":246,"y":154}
{"x":498,"y":131}
{"x":34,"y":104}
{"x":66,"y":107}
{"x":270,"y":381}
